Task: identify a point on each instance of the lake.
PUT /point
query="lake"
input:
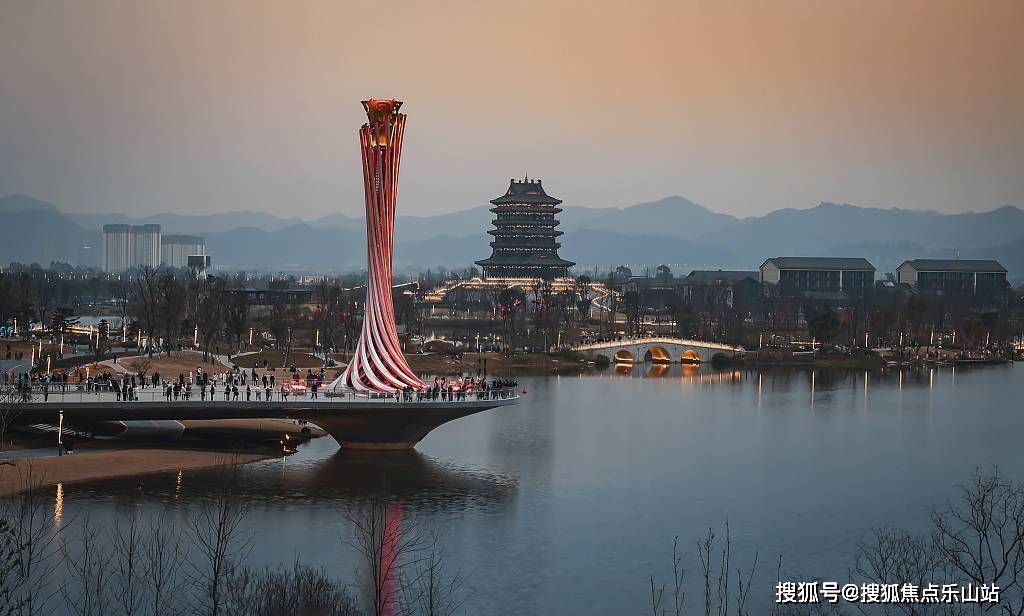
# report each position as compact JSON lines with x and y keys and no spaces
{"x":568,"y":502}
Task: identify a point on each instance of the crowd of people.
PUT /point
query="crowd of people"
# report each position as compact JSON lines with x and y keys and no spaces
{"x":244,"y":384}
{"x":461,"y":388}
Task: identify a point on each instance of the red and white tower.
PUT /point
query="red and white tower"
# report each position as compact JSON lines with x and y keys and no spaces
{"x":378,"y":364}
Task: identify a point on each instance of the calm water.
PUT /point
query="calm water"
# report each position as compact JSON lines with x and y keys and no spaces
{"x":568,"y":502}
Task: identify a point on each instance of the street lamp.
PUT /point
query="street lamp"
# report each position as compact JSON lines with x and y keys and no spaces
{"x":60,"y":432}
{"x":865,"y":340}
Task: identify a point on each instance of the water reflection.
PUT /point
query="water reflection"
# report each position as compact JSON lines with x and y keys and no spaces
{"x":317,"y":478}
{"x":58,"y":507}
{"x":556,"y":505}
{"x":658,"y":370}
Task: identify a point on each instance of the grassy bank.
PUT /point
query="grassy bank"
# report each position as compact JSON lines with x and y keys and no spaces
{"x":18,"y":475}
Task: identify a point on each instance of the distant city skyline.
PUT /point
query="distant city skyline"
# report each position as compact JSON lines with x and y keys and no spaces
{"x":191,"y":108}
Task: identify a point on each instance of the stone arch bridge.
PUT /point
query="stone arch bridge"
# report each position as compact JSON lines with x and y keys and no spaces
{"x":659,"y":350}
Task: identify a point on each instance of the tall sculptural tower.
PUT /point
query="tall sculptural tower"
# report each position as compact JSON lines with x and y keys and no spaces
{"x":378,"y":364}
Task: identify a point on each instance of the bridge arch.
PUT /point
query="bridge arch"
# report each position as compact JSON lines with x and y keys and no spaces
{"x":622,"y":356}
{"x":658,"y":355}
{"x":690,"y":356}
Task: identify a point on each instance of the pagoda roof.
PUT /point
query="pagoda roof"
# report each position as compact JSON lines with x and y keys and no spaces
{"x":547,"y":231}
{"x":525,"y":191}
{"x":525,"y":208}
{"x":538,"y":259}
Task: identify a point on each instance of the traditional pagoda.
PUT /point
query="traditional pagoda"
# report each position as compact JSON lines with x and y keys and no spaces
{"x":524,"y":233}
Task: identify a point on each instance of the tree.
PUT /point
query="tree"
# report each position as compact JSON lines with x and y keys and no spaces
{"x":634,"y":306}
{"x":170,"y":306}
{"x":63,"y":320}
{"x":983,"y":537}
{"x":212,"y":303}
{"x":329,"y":312}
{"x":916,"y":308}
{"x":823,"y":323}
{"x":12,"y":404}
{"x":511,"y":302}
{"x":42,"y":295}
{"x":583,"y":300}
{"x":235,"y":311}
{"x":281,"y":313}
{"x":385,"y":546}
{"x":121,"y":291}
{"x":144,"y":303}
{"x":405,"y":310}
{"x":686,"y":320}
{"x":220,"y":541}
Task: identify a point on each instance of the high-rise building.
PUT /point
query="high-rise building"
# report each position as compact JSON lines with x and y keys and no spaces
{"x":116,"y":247}
{"x":524,"y":233}
{"x":146,"y":246}
{"x":128,"y":246}
{"x":176,"y":249}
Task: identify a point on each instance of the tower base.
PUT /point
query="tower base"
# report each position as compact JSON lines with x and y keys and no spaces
{"x":395,"y":425}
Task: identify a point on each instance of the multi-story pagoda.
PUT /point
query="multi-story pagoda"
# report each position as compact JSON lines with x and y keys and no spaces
{"x":524,"y":233}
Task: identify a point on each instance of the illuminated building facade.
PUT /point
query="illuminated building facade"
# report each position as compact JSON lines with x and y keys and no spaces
{"x":525,"y":238}
{"x":378,"y":364}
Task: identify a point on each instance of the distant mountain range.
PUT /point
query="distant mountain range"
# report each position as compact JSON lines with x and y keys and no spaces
{"x":674,"y":231}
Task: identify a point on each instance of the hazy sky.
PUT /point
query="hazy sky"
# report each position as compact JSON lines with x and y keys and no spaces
{"x":150,"y":106}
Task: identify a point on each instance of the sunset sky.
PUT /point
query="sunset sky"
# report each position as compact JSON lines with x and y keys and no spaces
{"x":144,"y":107}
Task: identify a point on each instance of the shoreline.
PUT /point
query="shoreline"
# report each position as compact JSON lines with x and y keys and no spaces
{"x":89,"y":465}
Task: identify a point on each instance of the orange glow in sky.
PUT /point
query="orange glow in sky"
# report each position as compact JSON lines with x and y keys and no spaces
{"x":742,"y":106}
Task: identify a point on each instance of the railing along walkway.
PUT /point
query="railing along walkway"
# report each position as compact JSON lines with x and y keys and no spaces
{"x":611,"y":344}
{"x":157,"y":395}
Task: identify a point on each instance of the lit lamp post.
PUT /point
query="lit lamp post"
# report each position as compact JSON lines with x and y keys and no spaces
{"x":250,"y":336}
{"x":865,"y":340}
{"x":195,"y":336}
{"x":60,"y":433}
{"x":62,"y":344}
